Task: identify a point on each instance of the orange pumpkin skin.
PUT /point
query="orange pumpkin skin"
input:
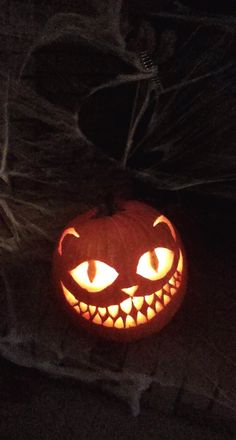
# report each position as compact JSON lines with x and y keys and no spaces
{"x":121,"y":276}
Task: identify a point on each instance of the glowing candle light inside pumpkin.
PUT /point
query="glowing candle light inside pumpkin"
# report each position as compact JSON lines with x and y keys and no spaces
{"x":120,"y":282}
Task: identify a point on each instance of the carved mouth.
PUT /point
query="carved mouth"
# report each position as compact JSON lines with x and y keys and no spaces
{"x":131,"y":312}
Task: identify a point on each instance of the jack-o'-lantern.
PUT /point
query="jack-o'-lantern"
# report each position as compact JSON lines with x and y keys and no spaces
{"x":123,"y":275}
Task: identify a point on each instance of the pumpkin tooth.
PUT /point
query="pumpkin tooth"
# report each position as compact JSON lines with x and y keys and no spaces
{"x":178,"y":274}
{"x":83,"y":306}
{"x":149,"y":298}
{"x":126,"y":305}
{"x":159,"y":293}
{"x":130,"y":322}
{"x":172,"y":281}
{"x":158,"y":306}
{"x":92,"y":309}
{"x":166,"y":299}
{"x":167,"y":288}
{"x":102,"y":311}
{"x":113,"y":310}
{"x":86,"y":315}
{"x":97,"y":319}
{"x":141,"y":318}
{"x":173,"y":290}
{"x":177,"y":284}
{"x":109,"y":322}
{"x":77,"y":309}
{"x":138,"y":302}
{"x":119,"y":323}
{"x":150,"y":313}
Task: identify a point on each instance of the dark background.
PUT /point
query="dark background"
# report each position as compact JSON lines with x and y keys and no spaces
{"x":34,"y":404}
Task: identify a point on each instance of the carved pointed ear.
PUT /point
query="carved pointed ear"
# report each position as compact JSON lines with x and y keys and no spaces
{"x":163,"y":219}
{"x":68,"y":231}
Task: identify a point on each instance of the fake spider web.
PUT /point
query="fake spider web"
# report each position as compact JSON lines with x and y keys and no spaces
{"x":50,"y":171}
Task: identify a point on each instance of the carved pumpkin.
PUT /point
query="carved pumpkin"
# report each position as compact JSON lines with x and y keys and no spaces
{"x":121,"y":275}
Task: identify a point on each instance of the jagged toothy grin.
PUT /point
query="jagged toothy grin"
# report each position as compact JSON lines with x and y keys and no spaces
{"x":131,"y":312}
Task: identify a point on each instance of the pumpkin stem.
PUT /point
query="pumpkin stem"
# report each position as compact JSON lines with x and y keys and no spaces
{"x":107,"y":208}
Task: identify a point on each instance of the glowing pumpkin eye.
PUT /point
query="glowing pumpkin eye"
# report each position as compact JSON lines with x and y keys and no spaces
{"x":94,"y":275}
{"x":155,"y":264}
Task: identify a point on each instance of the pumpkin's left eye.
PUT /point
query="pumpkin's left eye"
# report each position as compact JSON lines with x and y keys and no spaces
{"x":94,"y":275}
{"x":155,"y":264}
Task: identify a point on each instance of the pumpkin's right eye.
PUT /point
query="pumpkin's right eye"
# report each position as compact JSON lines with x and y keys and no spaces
{"x":155,"y":264}
{"x":94,"y":275}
